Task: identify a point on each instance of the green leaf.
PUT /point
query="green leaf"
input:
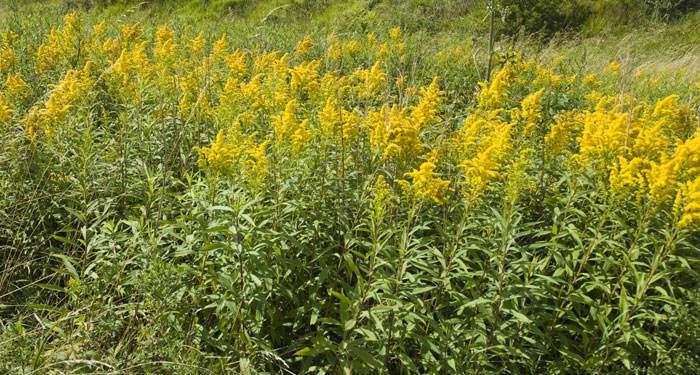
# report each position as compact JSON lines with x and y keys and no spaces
{"x":68,"y":264}
{"x":305,"y":351}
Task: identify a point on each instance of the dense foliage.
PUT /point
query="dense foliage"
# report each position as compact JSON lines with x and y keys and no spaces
{"x":170,"y":202}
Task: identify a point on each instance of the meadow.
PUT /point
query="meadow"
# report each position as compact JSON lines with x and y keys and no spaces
{"x":320,"y":187}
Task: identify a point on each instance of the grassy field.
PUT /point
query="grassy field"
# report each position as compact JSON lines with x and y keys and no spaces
{"x":316,"y":186}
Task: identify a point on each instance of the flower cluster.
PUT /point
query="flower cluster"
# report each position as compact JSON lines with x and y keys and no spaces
{"x":257,"y":106}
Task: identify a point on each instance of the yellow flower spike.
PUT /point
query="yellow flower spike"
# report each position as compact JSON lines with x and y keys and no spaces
{"x":530,"y":111}
{"x":16,"y":88}
{"x":351,"y":48}
{"x":652,"y":143}
{"x":566,"y":128}
{"x":402,"y":48}
{"x":8,"y":59}
{"x":372,"y":39}
{"x":670,"y":115}
{"x":591,"y":80}
{"x":607,"y":134}
{"x":547,"y":77}
{"x":518,"y":180}
{"x":72,"y":23}
{"x":425,"y":112}
{"x":334,"y":51}
{"x":690,"y":216}
{"x":165,"y":48}
{"x":253,"y":92}
{"x":98,"y":29}
{"x":70,"y":90}
{"x":686,"y":158}
{"x":220,"y":47}
{"x":58,"y":45}
{"x":131,"y":33}
{"x":256,"y":165}
{"x":329,"y":118}
{"x":197,"y":45}
{"x":395,"y":134}
{"x":288,"y":130}
{"x":627,"y":177}
{"x":662,"y":180}
{"x":236,"y":64}
{"x":9,"y":37}
{"x":377,"y":122}
{"x":427,"y":184}
{"x":6,"y":111}
{"x":304,"y":46}
{"x":305,"y":76}
{"x":373,"y":81}
{"x":382,"y":197}
{"x":486,"y":144}
{"x":495,"y":93}
{"x":220,"y":155}
{"x":395,"y":33}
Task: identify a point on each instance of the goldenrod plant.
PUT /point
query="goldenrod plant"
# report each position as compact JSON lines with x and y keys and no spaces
{"x":175,"y":198}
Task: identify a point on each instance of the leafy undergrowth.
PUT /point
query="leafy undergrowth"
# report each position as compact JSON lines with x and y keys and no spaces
{"x":172,"y":202}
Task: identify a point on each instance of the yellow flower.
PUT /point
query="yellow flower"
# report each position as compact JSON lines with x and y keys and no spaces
{"x":591,"y":80}
{"x":8,"y":58}
{"x":59,"y":45}
{"x":686,"y":158}
{"x":335,"y":120}
{"x":219,"y":49}
{"x":304,"y":46}
{"x":165,"y":49}
{"x":6,"y":111}
{"x":197,"y":45}
{"x":72,"y":89}
{"x":334,"y":51}
{"x":288,"y":130}
{"x":372,"y":39}
{"x":9,"y":37}
{"x":395,"y":33}
{"x":394,"y":133}
{"x":547,"y":76}
{"x":607,"y":134}
{"x":256,"y":165}
{"x":427,"y":184}
{"x":530,"y":111}
{"x":382,"y":195}
{"x":305,"y":76}
{"x":613,"y":67}
{"x":566,"y":128}
{"x":16,"y":88}
{"x":425,"y":112}
{"x":131,"y":65}
{"x":236,"y":64}
{"x":652,"y":143}
{"x":494,"y":94}
{"x":220,"y":155}
{"x":662,"y":180}
{"x":373,"y":81}
{"x":482,"y":169}
{"x":253,"y":92}
{"x":131,"y":33}
{"x":668,"y":114}
{"x":628,"y":176}
{"x":329,"y":118}
{"x":690,"y":216}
